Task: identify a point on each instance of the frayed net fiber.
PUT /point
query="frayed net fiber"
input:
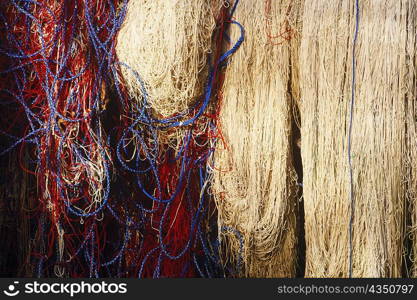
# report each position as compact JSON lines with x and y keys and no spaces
{"x":378,"y":135}
{"x":167,"y":43}
{"x":255,"y":182}
{"x":411,"y":89}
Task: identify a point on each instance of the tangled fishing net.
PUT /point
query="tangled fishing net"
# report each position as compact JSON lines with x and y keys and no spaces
{"x":254,"y":179}
{"x":220,"y":138}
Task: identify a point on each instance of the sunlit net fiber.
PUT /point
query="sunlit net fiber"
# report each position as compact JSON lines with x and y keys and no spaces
{"x":254,"y":179}
{"x":67,"y":50}
{"x":172,"y":181}
{"x":167,"y":43}
{"x":411,"y":91}
{"x":378,"y":136}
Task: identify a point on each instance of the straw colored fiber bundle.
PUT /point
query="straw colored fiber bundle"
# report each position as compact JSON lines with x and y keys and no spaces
{"x":255,"y":182}
{"x":412,"y":136}
{"x":16,"y":202}
{"x":378,"y":137}
{"x":167,"y":43}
